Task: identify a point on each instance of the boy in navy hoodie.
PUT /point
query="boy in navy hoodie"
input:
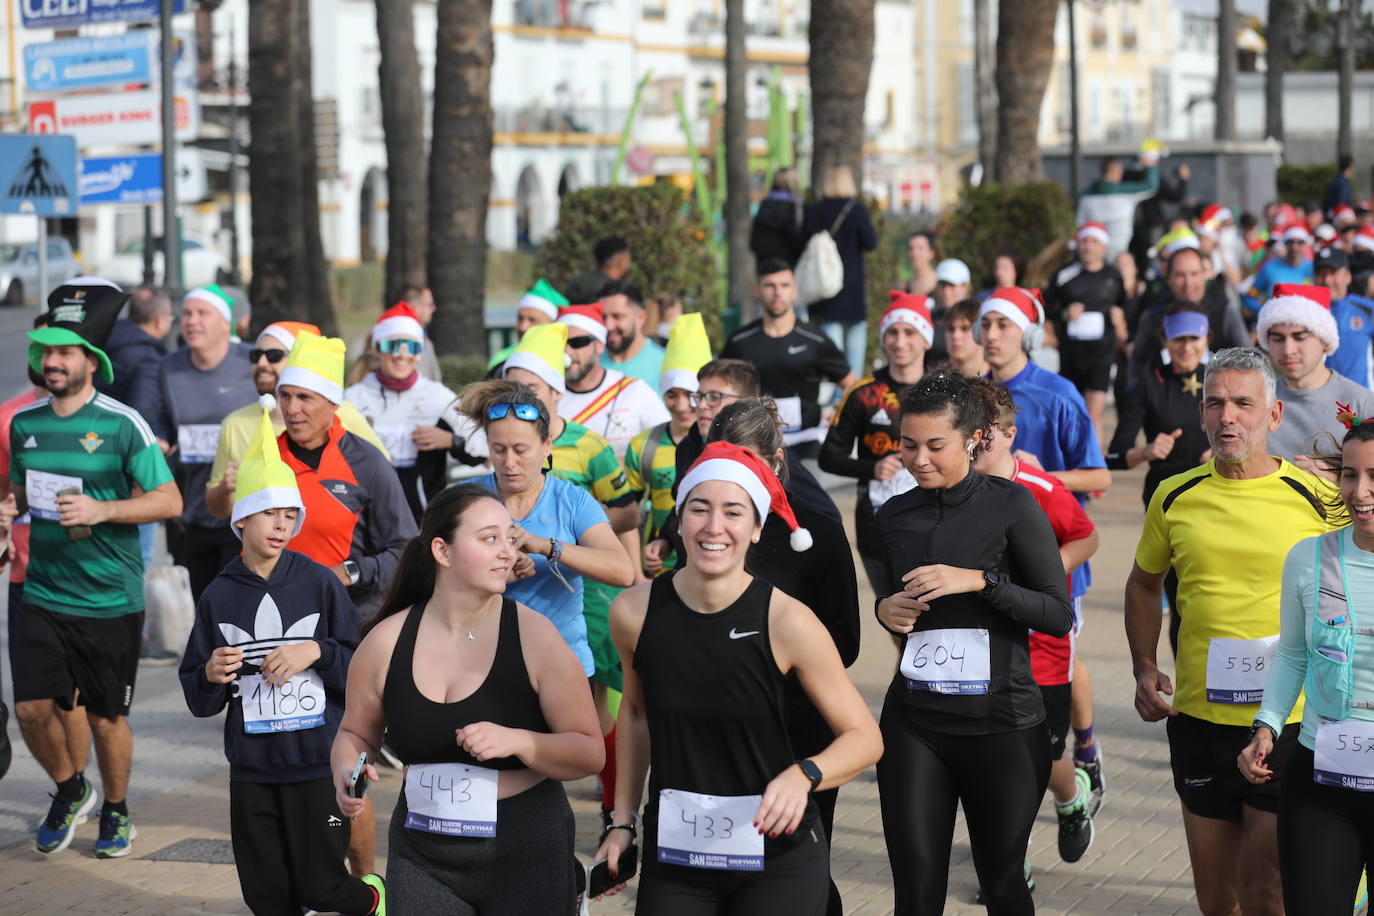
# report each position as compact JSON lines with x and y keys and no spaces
{"x":272,"y":640}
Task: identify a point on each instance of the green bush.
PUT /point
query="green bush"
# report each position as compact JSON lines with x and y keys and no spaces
{"x":1301,"y":184}
{"x":667,"y":243}
{"x":996,"y":219}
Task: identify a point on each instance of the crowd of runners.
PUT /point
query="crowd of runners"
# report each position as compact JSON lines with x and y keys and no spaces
{"x":614,"y":557}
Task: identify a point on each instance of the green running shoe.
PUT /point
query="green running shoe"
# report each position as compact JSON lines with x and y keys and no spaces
{"x":377,"y":884}
{"x":56,"y":832}
{"x":117,"y":832}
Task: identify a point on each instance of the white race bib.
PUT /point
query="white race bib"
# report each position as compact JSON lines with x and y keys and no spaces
{"x":947,"y":661}
{"x":709,"y":831}
{"x":398,"y":444}
{"x":291,"y":707}
{"x":1238,"y":668}
{"x":41,"y":489}
{"x":790,"y":412}
{"x":452,"y":799}
{"x":1345,"y":755}
{"x":197,"y":442}
{"x":1088,"y":326}
{"x":880,"y":491}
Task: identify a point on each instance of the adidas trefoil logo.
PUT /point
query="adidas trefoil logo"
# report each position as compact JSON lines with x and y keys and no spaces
{"x":268,"y":632}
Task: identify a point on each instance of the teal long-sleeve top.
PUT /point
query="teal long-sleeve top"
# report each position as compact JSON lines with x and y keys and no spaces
{"x":1300,"y":580}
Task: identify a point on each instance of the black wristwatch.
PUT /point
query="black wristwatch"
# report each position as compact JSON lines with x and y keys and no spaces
{"x":990,"y":582}
{"x":811,"y":772}
{"x":352,"y":571}
{"x":1254,"y":729}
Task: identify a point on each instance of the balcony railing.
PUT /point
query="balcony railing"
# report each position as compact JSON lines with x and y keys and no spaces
{"x":545,"y":119}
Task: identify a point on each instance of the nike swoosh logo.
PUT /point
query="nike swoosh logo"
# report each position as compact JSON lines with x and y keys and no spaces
{"x":737,"y":635}
{"x":795,"y":350}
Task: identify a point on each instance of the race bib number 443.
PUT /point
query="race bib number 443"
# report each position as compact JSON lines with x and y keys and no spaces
{"x":452,"y":799}
{"x":1238,"y":668}
{"x":947,"y":661}
{"x":709,"y":831}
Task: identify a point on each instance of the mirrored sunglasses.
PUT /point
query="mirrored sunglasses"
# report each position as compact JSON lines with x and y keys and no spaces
{"x":522,"y":411}
{"x":400,"y":345}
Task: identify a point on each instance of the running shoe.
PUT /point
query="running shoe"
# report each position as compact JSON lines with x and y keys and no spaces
{"x":117,"y":832}
{"x":56,"y":831}
{"x":1098,"y":781}
{"x":1076,"y":824}
{"x":377,"y":884}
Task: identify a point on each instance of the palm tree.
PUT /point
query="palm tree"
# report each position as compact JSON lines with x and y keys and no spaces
{"x":460,"y":174}
{"x":737,"y":157}
{"x":319,"y":297}
{"x":403,"y":122}
{"x":1280,"y":20}
{"x":841,"y":34}
{"x":1025,"y":54}
{"x":1226,"y":70}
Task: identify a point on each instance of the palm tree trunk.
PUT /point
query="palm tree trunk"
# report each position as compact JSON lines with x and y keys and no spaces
{"x":315,"y":277}
{"x":841,"y":33}
{"x":460,"y":174}
{"x":1226,"y":70}
{"x":1280,"y":20}
{"x":403,"y":121}
{"x":741,"y":271}
{"x":1345,"y":44}
{"x":1025,"y":54}
{"x":985,"y":88}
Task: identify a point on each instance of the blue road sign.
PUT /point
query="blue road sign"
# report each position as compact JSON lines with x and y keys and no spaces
{"x":132,"y":179}
{"x":83,"y":63}
{"x":38,"y":174}
{"x":68,"y":14}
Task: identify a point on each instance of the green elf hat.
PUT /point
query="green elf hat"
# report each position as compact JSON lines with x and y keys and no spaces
{"x":81,"y":313}
{"x":544,"y":298}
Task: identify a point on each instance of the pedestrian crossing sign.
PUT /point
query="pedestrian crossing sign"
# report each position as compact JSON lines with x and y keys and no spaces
{"x":38,"y":174}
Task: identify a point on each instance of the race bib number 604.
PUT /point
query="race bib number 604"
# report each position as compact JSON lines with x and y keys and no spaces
{"x":948,"y":661}
{"x":709,"y":831}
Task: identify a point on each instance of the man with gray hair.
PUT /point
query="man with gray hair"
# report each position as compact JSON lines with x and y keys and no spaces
{"x":136,"y":350}
{"x":1225,"y":527}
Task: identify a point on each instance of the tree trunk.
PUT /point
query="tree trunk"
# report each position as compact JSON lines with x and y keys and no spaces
{"x":1226,"y":70}
{"x":985,"y":87}
{"x":274,"y":181}
{"x":841,"y":34}
{"x":1345,"y":44}
{"x":403,"y":121}
{"x":1280,"y":20}
{"x":315,"y":278}
{"x":460,"y":174}
{"x":741,"y":271}
{"x":1025,"y":54}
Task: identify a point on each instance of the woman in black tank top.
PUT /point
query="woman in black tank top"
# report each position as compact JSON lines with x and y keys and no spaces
{"x":489,"y":709}
{"x":706,"y":651}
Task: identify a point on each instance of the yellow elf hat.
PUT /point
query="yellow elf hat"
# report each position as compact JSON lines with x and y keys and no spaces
{"x":543,"y":351}
{"x":264,"y":480}
{"x":316,"y":364}
{"x":688,"y":350}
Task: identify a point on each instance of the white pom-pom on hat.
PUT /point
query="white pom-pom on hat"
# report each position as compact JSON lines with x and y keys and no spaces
{"x":267,"y":402}
{"x":735,"y":464}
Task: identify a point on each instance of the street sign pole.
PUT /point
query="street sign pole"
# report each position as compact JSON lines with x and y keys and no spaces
{"x":171,"y":226}
{"x":42,"y":261}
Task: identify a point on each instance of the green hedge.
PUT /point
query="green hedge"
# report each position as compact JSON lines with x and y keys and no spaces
{"x":993,"y":219}
{"x":1302,"y":184}
{"x":667,"y":240}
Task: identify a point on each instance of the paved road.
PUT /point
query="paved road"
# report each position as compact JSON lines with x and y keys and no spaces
{"x":1138,"y":863}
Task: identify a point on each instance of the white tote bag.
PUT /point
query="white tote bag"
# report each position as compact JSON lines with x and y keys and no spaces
{"x":820,"y":271}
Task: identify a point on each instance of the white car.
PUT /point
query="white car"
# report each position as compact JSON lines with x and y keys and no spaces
{"x":201,"y":264}
{"x":19,"y":270}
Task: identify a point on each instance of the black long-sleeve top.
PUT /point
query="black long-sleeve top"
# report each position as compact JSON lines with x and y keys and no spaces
{"x":1161,"y":402}
{"x":994,"y":525}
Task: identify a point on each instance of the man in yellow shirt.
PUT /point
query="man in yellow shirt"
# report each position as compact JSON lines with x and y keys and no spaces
{"x":1225,"y":528}
{"x":269,"y":355}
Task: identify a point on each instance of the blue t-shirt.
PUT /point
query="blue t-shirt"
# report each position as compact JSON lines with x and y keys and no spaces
{"x":563,"y":512}
{"x":1277,"y":270}
{"x":1053,"y":424}
{"x":647,"y":366}
{"x":1355,"y":323}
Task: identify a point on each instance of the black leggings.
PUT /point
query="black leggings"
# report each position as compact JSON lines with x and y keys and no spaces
{"x":526,"y":868}
{"x":289,"y":843}
{"x":924,"y":776}
{"x":1326,"y":839}
{"x":793,"y":881}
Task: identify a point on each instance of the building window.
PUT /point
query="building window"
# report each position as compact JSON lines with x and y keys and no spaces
{"x":967,"y":105}
{"x":655,"y":9}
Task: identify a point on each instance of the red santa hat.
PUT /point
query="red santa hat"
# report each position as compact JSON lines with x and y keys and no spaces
{"x":1021,"y":306}
{"x":1092,"y":231}
{"x":1344,"y":215}
{"x":588,"y":318}
{"x":398,"y":321}
{"x":1364,"y":238}
{"x":1296,"y":233}
{"x":1302,"y":305}
{"x":735,"y":464}
{"x":908,"y":308}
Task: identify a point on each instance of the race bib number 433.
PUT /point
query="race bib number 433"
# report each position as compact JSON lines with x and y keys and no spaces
{"x":1238,"y":668}
{"x":947,"y":661}
{"x":452,"y":799}
{"x":709,"y":831}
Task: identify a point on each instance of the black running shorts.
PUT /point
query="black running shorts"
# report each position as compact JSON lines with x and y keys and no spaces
{"x":54,"y":655}
{"x":1206,"y":778}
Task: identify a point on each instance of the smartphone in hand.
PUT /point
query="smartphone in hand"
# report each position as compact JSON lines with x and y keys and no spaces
{"x":600,"y":880}
{"x":358,"y":787}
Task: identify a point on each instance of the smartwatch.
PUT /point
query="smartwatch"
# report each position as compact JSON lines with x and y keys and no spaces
{"x":990,"y":582}
{"x":811,"y":772}
{"x":1254,"y":729}
{"x":352,"y":571}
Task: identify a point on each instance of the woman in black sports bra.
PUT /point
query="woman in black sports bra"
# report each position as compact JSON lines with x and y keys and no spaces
{"x":730,"y":826}
{"x":488,"y":708}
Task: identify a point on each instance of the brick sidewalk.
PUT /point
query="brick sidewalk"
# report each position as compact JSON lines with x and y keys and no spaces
{"x":1138,"y":863}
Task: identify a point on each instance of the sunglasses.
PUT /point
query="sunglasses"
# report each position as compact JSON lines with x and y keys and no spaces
{"x":577,"y":343}
{"x":522,"y":412}
{"x":696,"y":398}
{"x":400,"y":345}
{"x":273,"y":355}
